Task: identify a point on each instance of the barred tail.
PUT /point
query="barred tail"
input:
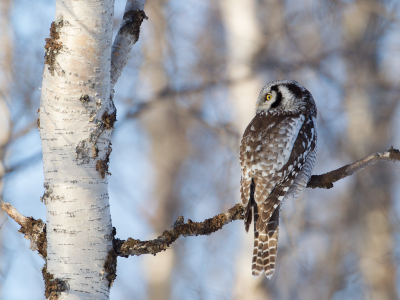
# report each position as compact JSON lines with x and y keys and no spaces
{"x":265,"y":245}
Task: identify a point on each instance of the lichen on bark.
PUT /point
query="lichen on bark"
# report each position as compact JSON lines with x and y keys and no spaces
{"x":110,"y":265}
{"x":53,"y":286}
{"x":132,"y":21}
{"x":53,"y":45}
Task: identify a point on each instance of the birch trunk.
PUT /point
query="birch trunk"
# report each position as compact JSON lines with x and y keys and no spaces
{"x":76,"y":118}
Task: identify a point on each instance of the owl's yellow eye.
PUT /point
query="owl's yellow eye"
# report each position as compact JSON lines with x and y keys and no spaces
{"x":268,"y":97}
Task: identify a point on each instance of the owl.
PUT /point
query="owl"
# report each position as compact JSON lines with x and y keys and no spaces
{"x":277,"y":155}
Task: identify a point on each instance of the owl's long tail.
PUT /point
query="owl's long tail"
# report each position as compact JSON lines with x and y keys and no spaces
{"x":265,"y":245}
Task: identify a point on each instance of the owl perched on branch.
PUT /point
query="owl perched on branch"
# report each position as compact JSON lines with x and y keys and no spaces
{"x":277,"y":154}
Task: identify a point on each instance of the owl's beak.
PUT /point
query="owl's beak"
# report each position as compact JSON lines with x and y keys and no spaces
{"x":257,"y":104}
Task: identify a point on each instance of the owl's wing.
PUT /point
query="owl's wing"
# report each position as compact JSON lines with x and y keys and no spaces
{"x":272,"y":152}
{"x":255,"y":151}
{"x":303,"y":147}
{"x":266,"y":147}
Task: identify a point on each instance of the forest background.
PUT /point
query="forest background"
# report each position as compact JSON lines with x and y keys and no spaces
{"x":183,"y":102}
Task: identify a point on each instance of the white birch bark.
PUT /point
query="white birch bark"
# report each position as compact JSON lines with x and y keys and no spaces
{"x":76,"y":115}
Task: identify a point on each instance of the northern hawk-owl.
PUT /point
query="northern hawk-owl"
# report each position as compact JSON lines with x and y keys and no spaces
{"x":277,"y":155}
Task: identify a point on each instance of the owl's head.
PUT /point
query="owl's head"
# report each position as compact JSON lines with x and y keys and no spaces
{"x":285,"y":96}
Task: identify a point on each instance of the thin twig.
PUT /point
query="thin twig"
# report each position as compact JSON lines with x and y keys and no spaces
{"x":33,"y":230}
{"x":325,"y":181}
{"x":13,"y":212}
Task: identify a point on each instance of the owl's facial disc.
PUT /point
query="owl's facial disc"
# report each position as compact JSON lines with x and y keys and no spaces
{"x":270,"y":98}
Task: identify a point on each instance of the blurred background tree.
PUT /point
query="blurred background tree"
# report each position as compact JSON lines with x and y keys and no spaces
{"x":183,"y":102}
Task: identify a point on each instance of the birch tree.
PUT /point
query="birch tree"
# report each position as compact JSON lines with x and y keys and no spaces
{"x":76,"y":119}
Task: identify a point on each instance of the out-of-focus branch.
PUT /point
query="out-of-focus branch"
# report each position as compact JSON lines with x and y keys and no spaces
{"x":163,"y":242}
{"x":23,"y":163}
{"x":33,"y":230}
{"x":325,"y":181}
{"x":127,"y":36}
{"x":195,"y":113}
{"x":168,"y":93}
{"x":25,"y":130}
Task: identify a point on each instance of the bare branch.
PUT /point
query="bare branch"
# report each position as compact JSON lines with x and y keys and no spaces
{"x":325,"y":181}
{"x":33,"y":230}
{"x":163,"y":242}
{"x":136,"y":247}
{"x":13,"y":212}
{"x":127,"y":36}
